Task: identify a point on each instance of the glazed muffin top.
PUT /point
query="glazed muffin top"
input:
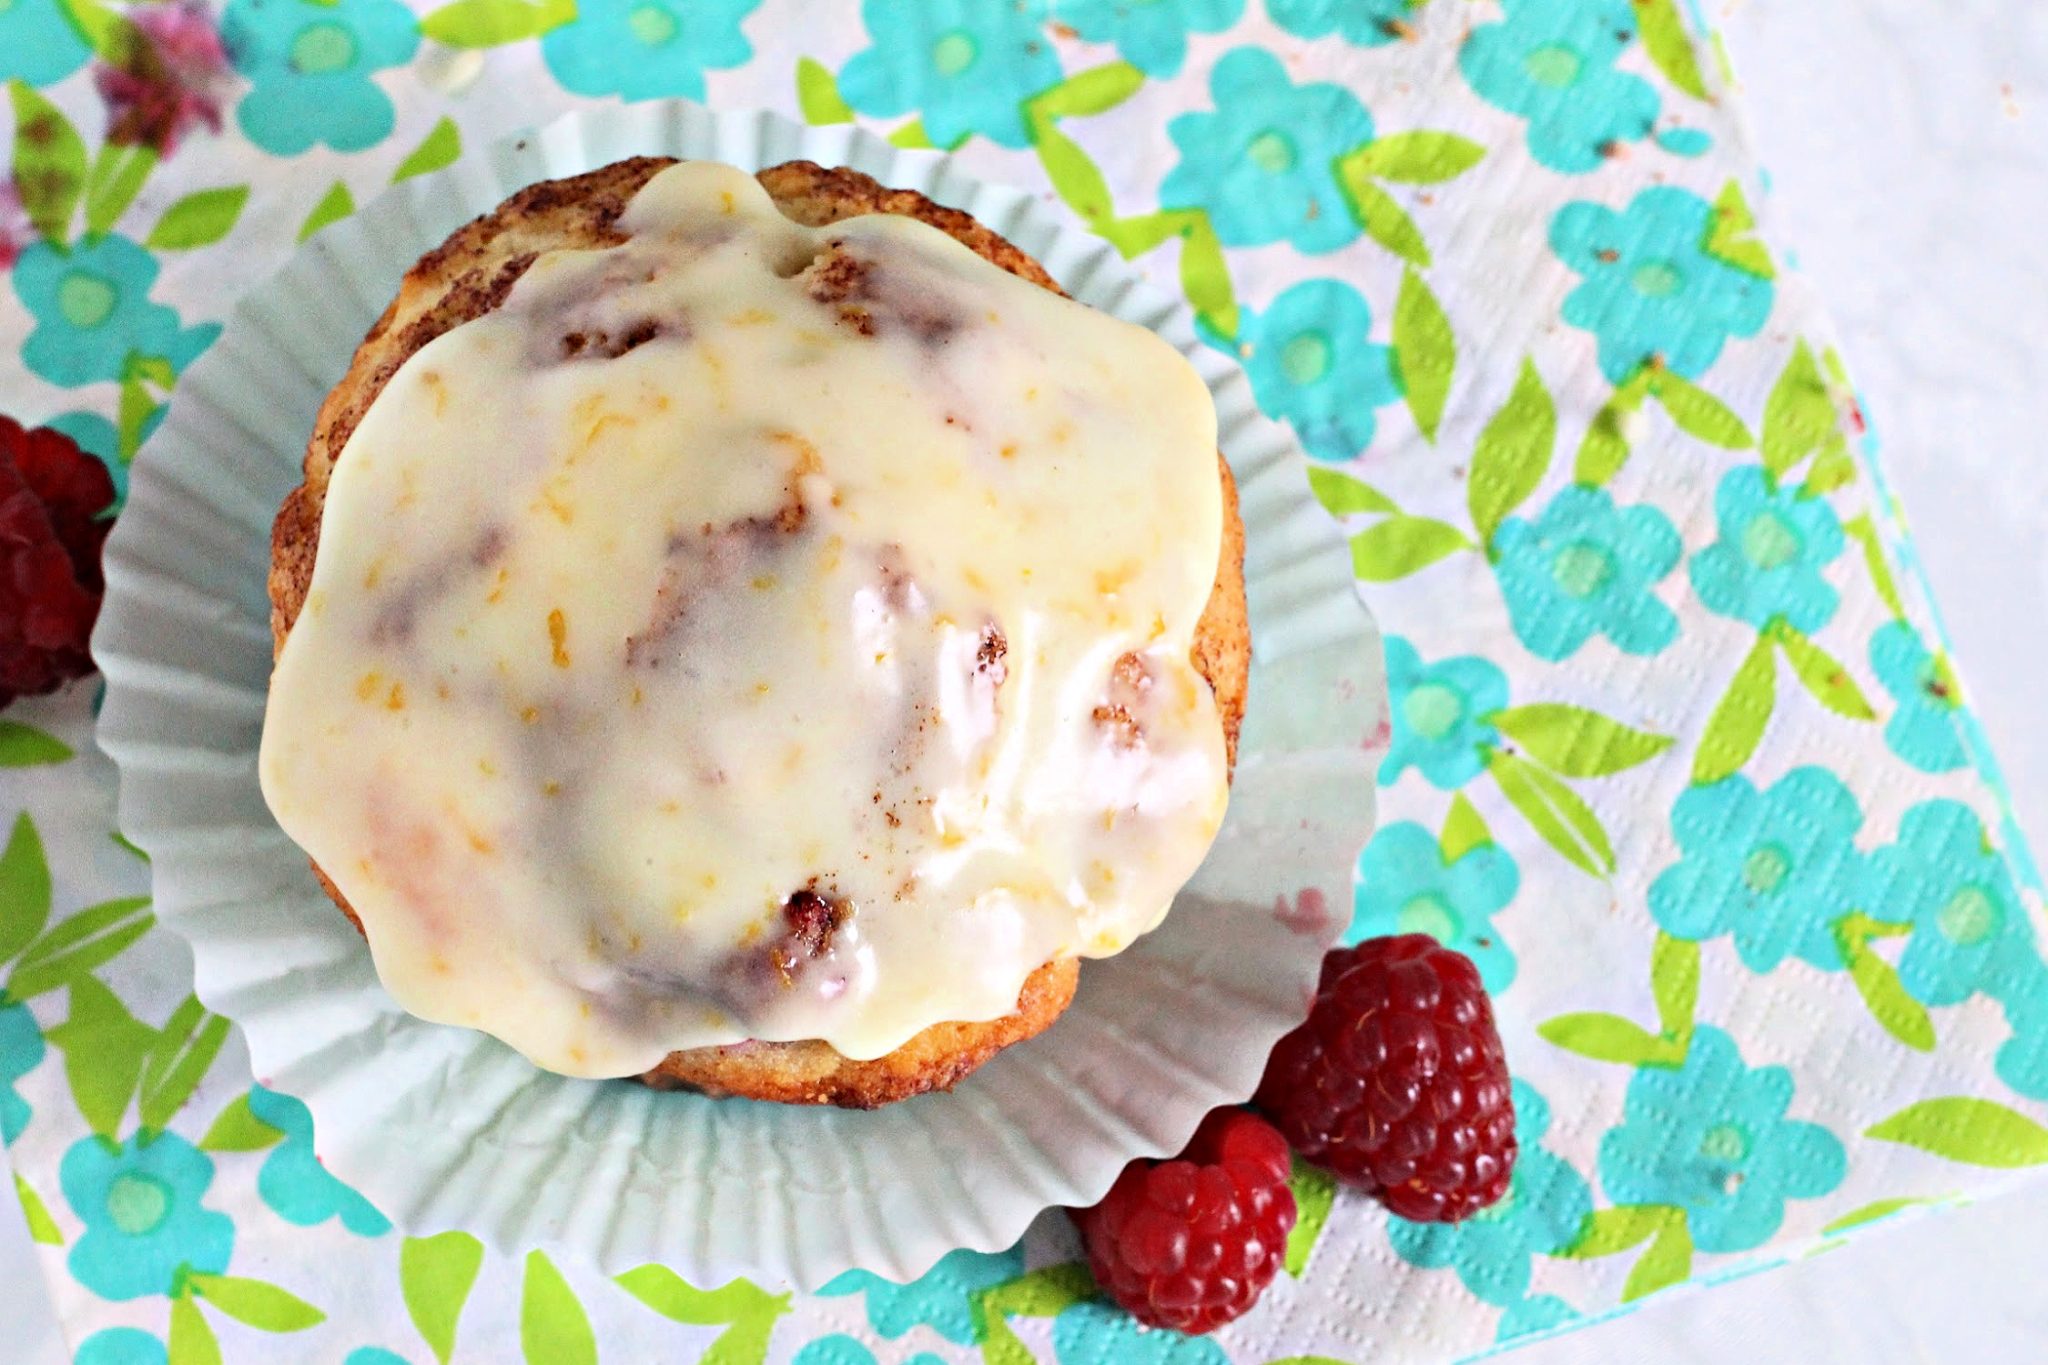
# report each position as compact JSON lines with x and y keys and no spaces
{"x":815,"y":657}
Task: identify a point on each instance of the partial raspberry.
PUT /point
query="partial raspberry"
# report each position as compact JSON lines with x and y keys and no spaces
{"x":1191,"y":1243}
{"x":1397,"y":1082}
{"x":51,"y":497}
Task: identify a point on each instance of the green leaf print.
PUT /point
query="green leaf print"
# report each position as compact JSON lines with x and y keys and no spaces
{"x":1344,"y":496}
{"x":1136,"y":236}
{"x":1798,"y":416}
{"x":237,"y":1129}
{"x":1877,"y":981}
{"x":1698,"y":413}
{"x":1383,"y":219}
{"x":1670,"y":46}
{"x":49,"y":163}
{"x":1512,"y":455}
{"x":1610,"y":1038}
{"x":1464,"y":830}
{"x":24,"y":746}
{"x":1732,"y":235}
{"x":1822,"y":674}
{"x":1418,"y":158}
{"x":436,"y":1274}
{"x":912,"y":137}
{"x":1963,"y":1128}
{"x":192,"y":1341}
{"x":1554,"y":811}
{"x":1860,"y":529}
{"x":80,"y":945}
{"x":257,"y":1304}
{"x":104,"y":1047}
{"x":751,"y":1310}
{"x":137,"y":405}
{"x":42,"y":1228}
{"x":817,"y":94}
{"x":1044,"y":1293}
{"x":113,"y":182}
{"x":1094,"y":91}
{"x":1574,"y":742}
{"x":1315,"y":1192}
{"x":1737,"y":725}
{"x":1605,"y":448}
{"x":1075,"y":178}
{"x":1608,"y":1232}
{"x":492,"y":23}
{"x":184,"y":1052}
{"x":1667,"y":1262}
{"x":1876,"y":1209}
{"x":1205,"y":277}
{"x":1675,"y":982}
{"x":440,"y":147}
{"x":109,"y":35}
{"x":334,"y":206}
{"x":199,"y":219}
{"x":24,"y":887}
{"x":553,"y":1328}
{"x":1836,"y":468}
{"x":1403,"y":545}
{"x":1425,"y":352}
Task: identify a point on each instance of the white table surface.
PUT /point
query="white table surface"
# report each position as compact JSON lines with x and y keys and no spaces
{"x":1909,"y":146}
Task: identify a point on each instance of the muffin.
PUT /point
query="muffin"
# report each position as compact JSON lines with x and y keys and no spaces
{"x":798,"y":620}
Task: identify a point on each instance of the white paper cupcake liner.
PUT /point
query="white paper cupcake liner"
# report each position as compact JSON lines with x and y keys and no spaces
{"x":445,"y":1128}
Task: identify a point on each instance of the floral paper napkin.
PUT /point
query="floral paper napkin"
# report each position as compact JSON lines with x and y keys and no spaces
{"x":1678,"y":755}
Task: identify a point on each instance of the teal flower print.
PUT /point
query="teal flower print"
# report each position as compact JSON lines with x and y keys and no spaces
{"x":294,"y":1183}
{"x":1097,"y":1333}
{"x":964,"y":66}
{"x":2022,"y":1060}
{"x":840,"y":1349}
{"x":1539,"y":1313}
{"x":1923,"y":728}
{"x":1651,"y":291}
{"x":143,"y":1219}
{"x":1552,"y":62}
{"x":21,"y":1051}
{"x":1439,"y":715}
{"x":1970,"y":932}
{"x":373,"y":1355}
{"x":1151,"y":35}
{"x":92,"y":312}
{"x":1263,"y":165}
{"x":310,"y":64}
{"x":1363,"y":23}
{"x":647,"y":49}
{"x":38,"y":43}
{"x":1404,"y":886}
{"x":1585,"y":567}
{"x":1312,"y":365}
{"x":1542,"y":1211}
{"x":1774,"y":868}
{"x":121,"y":1346}
{"x":941,"y":1298}
{"x":1711,"y":1138}
{"x":1767,"y":563}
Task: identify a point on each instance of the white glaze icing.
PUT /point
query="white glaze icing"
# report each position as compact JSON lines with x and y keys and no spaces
{"x":755,"y":631}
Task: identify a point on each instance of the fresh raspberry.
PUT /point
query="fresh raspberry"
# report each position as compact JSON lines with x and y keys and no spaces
{"x":1191,"y":1243}
{"x":51,"y":497}
{"x":1397,"y":1082}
